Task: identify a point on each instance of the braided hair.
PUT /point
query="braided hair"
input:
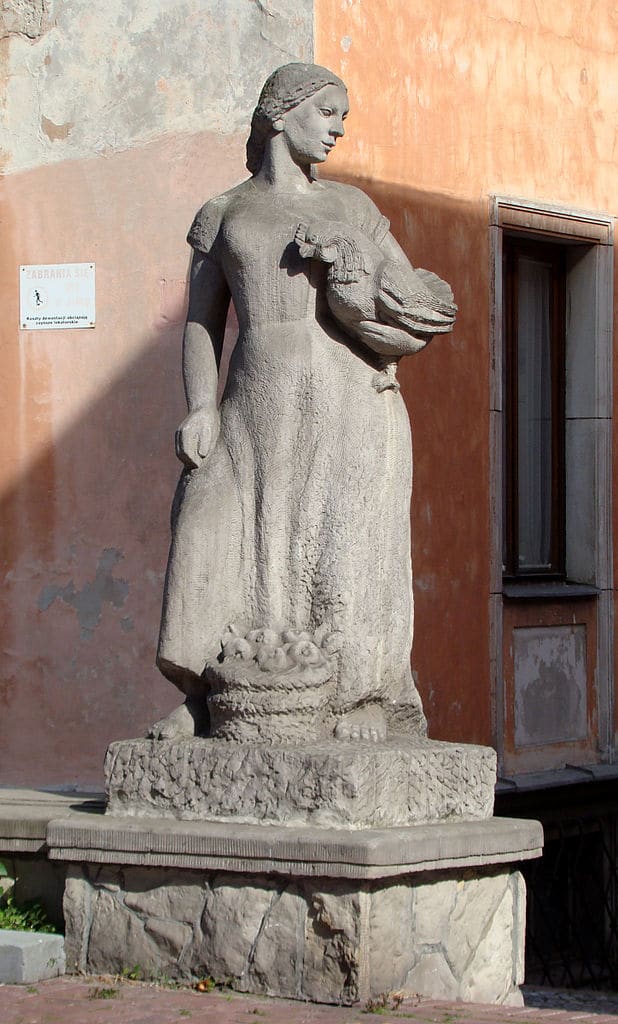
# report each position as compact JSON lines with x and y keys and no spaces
{"x":284,"y":89}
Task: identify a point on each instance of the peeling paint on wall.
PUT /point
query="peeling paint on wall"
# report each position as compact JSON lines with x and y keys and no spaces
{"x":89,"y":601}
{"x":126,"y":72}
{"x":55,"y":131}
{"x":550,"y":685}
{"x":30,"y":18}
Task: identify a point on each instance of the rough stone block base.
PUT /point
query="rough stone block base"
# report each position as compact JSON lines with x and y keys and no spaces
{"x":451,"y":937}
{"x":331,"y":785}
{"x":28,"y":957}
{"x":324,"y":916}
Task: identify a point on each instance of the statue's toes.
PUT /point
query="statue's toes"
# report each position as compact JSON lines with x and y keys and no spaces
{"x":366,"y":724}
{"x":180,"y":724}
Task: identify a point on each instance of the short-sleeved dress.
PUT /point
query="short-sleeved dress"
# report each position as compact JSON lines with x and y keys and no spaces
{"x":300,"y":517}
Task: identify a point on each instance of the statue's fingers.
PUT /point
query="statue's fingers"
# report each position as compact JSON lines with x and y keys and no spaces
{"x":204,"y":444}
{"x":189,"y":444}
{"x":372,"y":328}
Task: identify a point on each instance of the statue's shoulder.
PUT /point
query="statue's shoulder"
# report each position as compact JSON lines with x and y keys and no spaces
{"x":209,"y":218}
{"x":349,"y":192}
{"x":360,"y":209}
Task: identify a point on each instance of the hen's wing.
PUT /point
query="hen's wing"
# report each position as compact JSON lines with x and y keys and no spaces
{"x":415,"y":299}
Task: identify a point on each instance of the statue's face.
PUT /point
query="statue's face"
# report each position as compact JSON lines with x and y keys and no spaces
{"x":312,"y":128}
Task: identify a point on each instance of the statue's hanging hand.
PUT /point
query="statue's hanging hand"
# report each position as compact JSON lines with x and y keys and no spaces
{"x":197,"y":436}
{"x":391,"y":343}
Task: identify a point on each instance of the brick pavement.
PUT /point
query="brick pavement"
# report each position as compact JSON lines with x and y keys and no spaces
{"x":72,"y":1000}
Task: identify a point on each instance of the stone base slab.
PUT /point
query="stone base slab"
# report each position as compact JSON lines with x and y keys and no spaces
{"x":271,"y":849}
{"x":327,"y":916}
{"x":331,"y":785}
{"x":25,"y":814}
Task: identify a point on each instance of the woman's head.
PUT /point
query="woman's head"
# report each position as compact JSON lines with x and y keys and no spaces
{"x":284,"y":90}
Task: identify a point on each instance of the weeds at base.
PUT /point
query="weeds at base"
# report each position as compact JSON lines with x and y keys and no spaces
{"x":131,"y":973}
{"x":24,"y":917}
{"x":385,"y":1002}
{"x":103,"y":993}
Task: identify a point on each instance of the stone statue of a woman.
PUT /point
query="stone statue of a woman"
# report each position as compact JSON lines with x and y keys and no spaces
{"x":288,"y":601}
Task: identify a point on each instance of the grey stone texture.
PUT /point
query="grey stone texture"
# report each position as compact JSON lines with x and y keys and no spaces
{"x":25,"y":814}
{"x":447,"y":935}
{"x":28,"y":957}
{"x":299,"y":852}
{"x":333,"y":784}
{"x":328,"y":915}
{"x":364,"y":286}
{"x":287,"y":608}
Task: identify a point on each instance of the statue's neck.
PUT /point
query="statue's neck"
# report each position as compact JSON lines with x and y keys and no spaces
{"x":280,"y":172}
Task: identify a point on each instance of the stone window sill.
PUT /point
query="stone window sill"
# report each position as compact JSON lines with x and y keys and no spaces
{"x":552,"y":590}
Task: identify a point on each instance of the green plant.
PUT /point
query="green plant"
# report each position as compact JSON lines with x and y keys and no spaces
{"x":163,"y":980}
{"x":185,"y":1013}
{"x":103,"y":993}
{"x":25,"y":917}
{"x":132,"y":973}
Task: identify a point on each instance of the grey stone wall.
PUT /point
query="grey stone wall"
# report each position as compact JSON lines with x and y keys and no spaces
{"x":452,"y":936}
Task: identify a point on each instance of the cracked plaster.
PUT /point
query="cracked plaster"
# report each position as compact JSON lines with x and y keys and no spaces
{"x":99,"y":80}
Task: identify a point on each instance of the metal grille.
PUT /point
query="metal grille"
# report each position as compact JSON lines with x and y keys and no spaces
{"x":572,"y":917}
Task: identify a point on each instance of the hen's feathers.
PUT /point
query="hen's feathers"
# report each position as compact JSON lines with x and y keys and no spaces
{"x":416,"y":299}
{"x":363,"y":284}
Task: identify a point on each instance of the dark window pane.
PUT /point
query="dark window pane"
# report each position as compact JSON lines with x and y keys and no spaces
{"x":534,"y":277}
{"x":534,"y":414}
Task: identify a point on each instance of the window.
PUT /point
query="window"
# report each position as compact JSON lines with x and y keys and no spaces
{"x":550,"y":449}
{"x":534,"y":282}
{"x":551,"y":397}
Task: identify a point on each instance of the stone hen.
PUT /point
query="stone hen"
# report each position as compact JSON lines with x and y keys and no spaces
{"x":365,"y":285}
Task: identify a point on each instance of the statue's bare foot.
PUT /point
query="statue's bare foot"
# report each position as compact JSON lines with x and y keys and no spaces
{"x":366,"y":723}
{"x":181,"y":724}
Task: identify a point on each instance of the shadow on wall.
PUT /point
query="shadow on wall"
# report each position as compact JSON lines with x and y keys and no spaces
{"x":86,"y":535}
{"x":86,"y":531}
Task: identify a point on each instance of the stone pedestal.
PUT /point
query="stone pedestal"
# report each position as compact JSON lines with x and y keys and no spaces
{"x":333,"y":785}
{"x":327,"y":915}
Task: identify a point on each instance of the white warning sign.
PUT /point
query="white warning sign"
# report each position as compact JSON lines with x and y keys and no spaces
{"x":56,"y":296}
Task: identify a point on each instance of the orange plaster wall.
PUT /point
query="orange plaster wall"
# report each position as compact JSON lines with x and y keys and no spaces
{"x":451,"y":103}
{"x":87,"y":467}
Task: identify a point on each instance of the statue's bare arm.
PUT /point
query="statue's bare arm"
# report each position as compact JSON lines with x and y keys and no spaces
{"x":209,"y":299}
